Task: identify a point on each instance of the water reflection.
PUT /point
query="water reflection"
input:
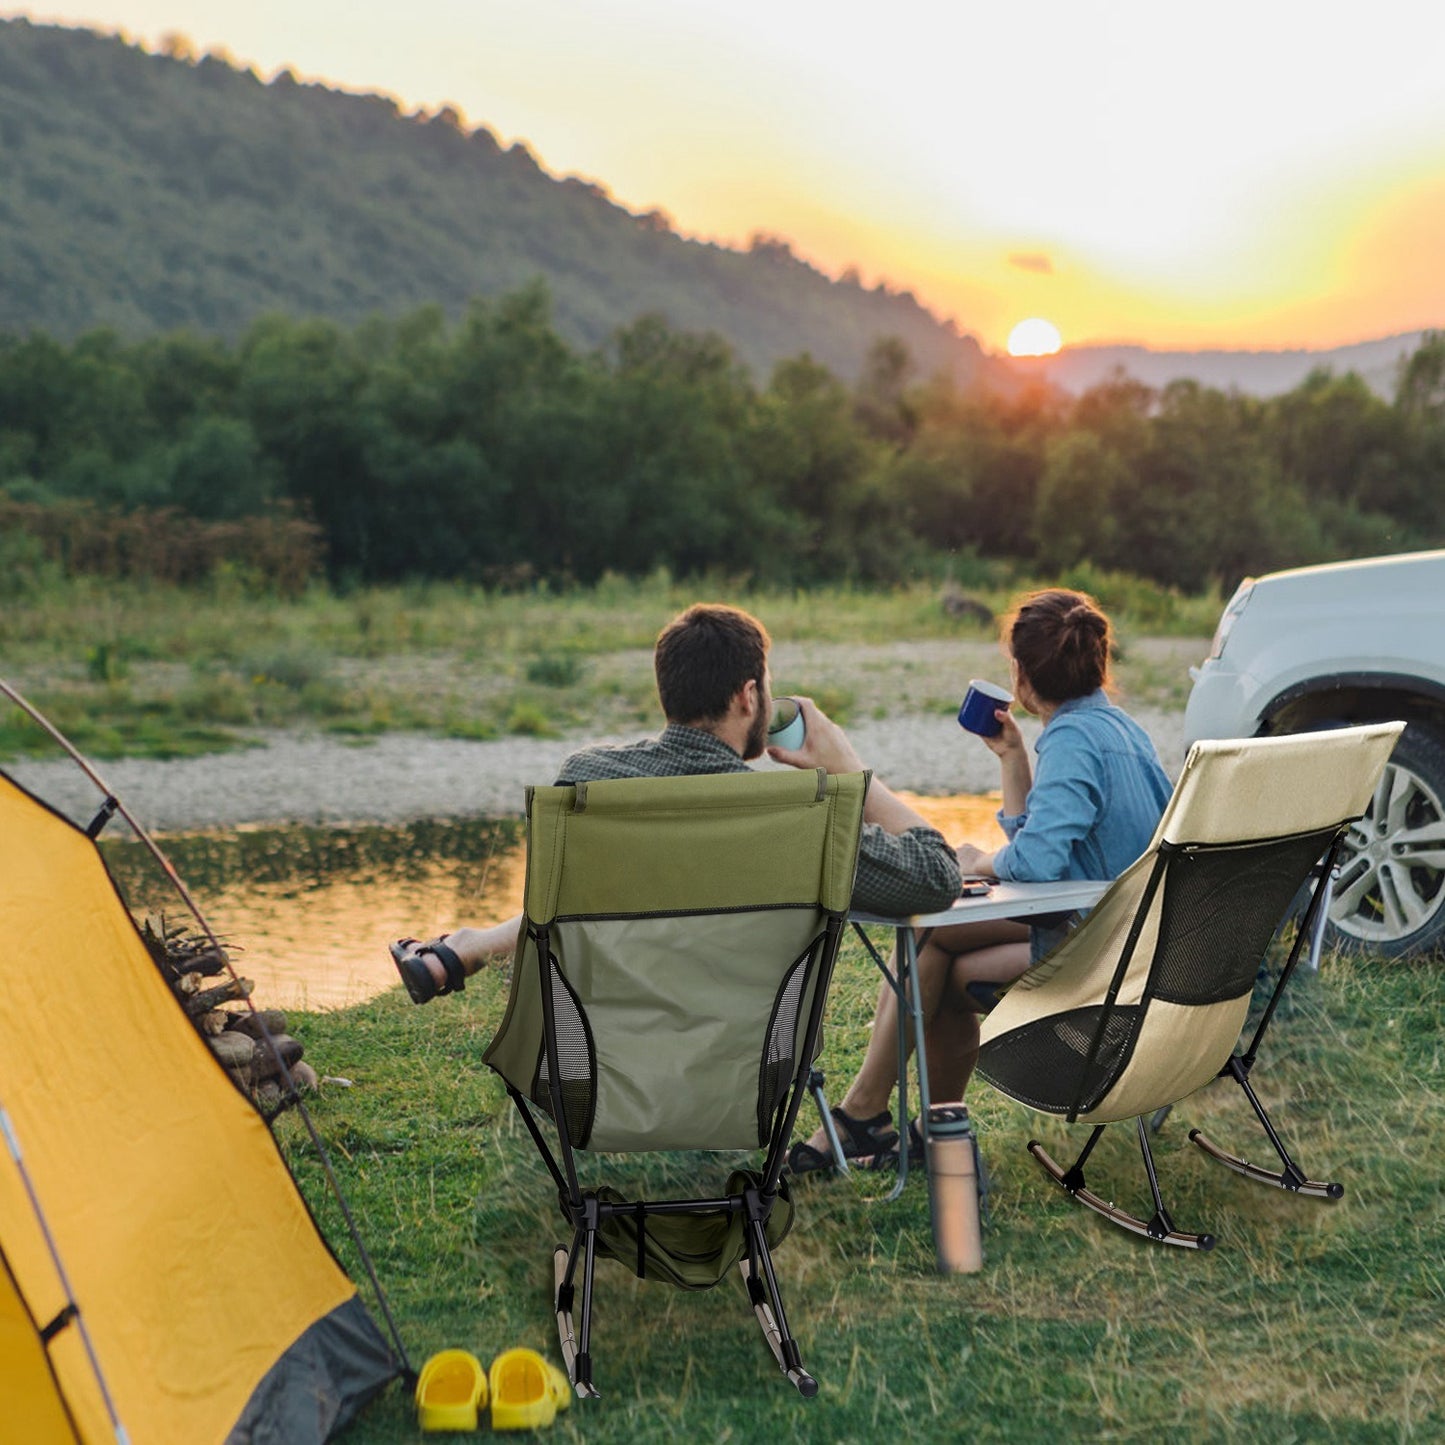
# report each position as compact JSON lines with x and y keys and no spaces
{"x":966,"y":818}
{"x":307,"y":912}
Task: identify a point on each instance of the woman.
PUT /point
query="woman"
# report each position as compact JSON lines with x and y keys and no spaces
{"x":1090,"y":812}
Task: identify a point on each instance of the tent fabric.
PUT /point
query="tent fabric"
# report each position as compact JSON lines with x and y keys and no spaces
{"x":1247,"y":819}
{"x":34,"y":1410}
{"x":197,"y":1270}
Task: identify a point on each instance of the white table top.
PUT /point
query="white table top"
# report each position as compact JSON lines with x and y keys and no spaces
{"x":1004,"y":900}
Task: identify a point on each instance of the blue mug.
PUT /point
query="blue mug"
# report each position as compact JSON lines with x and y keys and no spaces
{"x":980,"y":702}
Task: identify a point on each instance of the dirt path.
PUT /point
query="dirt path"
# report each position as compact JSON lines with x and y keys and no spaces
{"x":290,"y":777}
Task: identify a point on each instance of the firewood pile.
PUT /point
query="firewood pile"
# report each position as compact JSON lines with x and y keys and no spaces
{"x":190,"y":963}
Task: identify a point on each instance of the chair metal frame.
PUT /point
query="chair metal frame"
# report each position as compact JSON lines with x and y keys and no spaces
{"x":586,"y":1212}
{"x":614,"y":874}
{"x":1160,"y":1226}
{"x":1058,"y":1054}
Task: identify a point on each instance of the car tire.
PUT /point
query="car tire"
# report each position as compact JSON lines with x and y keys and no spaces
{"x":1389,"y":897}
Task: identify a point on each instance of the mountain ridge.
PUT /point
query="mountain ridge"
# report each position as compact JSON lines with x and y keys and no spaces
{"x":1261,"y":373}
{"x":147,"y":192}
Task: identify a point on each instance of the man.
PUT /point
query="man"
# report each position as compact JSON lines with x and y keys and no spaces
{"x":713,"y":683}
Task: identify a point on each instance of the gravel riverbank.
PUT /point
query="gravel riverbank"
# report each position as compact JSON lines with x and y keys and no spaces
{"x":300,"y":778}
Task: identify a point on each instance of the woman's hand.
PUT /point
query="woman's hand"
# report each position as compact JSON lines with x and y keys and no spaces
{"x":973,"y":862}
{"x":1015,"y":774}
{"x":1009,"y":739}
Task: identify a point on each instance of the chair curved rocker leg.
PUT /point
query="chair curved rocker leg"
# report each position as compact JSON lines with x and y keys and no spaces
{"x":566,"y":1333}
{"x":1288,"y":1178}
{"x":807,"y":1386}
{"x":1291,"y":1177}
{"x":1160,"y":1228}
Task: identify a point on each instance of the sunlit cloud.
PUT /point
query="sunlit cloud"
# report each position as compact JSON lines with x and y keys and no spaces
{"x":1034,"y":261}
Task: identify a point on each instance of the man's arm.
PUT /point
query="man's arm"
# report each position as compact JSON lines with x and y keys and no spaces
{"x":904,"y":863}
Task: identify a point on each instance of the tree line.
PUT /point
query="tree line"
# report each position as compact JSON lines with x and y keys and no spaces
{"x":492,"y":450}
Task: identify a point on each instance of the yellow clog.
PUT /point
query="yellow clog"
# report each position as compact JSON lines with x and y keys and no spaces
{"x":450,"y":1390}
{"x":527,"y":1391}
{"x":560,"y":1386}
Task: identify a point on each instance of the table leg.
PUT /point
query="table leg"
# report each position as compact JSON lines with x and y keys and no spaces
{"x":904,"y":983}
{"x":830,"y":1129}
{"x":905,"y":995}
{"x":909,"y":997}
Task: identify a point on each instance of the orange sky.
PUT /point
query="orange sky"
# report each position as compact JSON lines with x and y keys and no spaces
{"x":1237,"y":175}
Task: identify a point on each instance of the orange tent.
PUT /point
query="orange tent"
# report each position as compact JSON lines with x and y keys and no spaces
{"x":161,"y":1278}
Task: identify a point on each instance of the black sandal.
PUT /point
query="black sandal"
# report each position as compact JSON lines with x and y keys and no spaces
{"x":406,"y":953}
{"x":888,"y":1158}
{"x":860,"y":1138}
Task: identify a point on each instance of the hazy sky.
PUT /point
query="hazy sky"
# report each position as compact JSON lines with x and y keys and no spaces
{"x":1238,"y":174}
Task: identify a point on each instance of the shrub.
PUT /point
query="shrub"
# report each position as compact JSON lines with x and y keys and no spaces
{"x":164,"y":545}
{"x":528,"y":720}
{"x":556,"y":669}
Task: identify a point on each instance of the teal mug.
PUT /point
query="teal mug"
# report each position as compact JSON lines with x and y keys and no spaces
{"x":786,"y":728}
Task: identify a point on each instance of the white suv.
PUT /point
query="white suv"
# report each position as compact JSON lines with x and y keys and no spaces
{"x":1354,"y":642}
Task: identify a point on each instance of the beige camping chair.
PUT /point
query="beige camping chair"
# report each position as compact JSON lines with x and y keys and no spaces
{"x":667,"y":994}
{"x":1144,"y":1002}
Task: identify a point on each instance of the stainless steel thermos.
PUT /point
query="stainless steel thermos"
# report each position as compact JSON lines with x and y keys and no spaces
{"x":953,"y":1189}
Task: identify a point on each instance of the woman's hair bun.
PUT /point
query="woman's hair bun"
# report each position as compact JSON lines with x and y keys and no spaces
{"x":1060,"y":640}
{"x":1083,"y":616}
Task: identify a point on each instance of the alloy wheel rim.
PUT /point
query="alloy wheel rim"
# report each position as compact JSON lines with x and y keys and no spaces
{"x":1392,"y":862}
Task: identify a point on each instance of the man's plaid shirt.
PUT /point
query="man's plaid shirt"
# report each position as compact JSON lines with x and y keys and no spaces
{"x":898,"y":873}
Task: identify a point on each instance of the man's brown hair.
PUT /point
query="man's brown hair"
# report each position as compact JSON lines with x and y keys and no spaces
{"x":703,"y":658}
{"x":1060,"y":640}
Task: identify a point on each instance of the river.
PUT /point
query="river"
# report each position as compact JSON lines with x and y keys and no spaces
{"x":307,"y":911}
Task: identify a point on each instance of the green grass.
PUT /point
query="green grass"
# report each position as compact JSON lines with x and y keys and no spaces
{"x":150,"y":670}
{"x":1309,"y":1321}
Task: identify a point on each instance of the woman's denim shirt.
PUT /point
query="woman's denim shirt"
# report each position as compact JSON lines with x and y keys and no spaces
{"x":1098,"y":794}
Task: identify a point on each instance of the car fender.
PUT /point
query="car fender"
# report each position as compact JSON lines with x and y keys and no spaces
{"x":1411,"y":685}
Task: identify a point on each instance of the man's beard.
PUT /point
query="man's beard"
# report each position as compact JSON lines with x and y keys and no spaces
{"x":757,"y":739}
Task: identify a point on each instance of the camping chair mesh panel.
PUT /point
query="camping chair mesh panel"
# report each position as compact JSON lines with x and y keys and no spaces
{"x":576,"y":1061}
{"x":781,"y":1052}
{"x":1039,"y":1064}
{"x":1222,"y":905}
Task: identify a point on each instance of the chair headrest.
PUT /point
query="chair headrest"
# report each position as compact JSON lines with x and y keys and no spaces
{"x":1241,"y":789}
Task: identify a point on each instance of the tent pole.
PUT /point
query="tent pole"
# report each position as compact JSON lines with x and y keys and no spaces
{"x":12,"y":1144}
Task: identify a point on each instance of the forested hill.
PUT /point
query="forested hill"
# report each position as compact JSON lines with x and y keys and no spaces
{"x":148,"y":192}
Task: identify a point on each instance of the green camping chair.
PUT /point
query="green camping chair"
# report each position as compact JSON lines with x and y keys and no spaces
{"x":667,"y":993}
{"x":1144,"y":1002}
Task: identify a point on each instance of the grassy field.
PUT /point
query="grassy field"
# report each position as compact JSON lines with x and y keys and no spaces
{"x":1309,"y":1321}
{"x":127,"y":669}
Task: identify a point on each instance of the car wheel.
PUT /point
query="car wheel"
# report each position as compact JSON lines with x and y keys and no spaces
{"x":1389,"y":899}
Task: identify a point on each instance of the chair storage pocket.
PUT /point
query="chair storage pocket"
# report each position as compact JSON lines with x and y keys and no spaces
{"x":780,"y":1053}
{"x":692,"y":1251}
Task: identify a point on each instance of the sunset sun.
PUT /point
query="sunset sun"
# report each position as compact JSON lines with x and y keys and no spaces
{"x":1034,"y":337}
